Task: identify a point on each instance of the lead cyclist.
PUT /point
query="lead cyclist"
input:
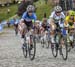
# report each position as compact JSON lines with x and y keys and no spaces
{"x":27,"y":20}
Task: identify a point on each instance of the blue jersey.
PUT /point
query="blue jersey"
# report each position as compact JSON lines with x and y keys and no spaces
{"x":27,"y":17}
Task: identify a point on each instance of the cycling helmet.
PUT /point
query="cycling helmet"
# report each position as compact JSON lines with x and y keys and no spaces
{"x":30,"y":8}
{"x":57,"y":9}
{"x":71,"y":13}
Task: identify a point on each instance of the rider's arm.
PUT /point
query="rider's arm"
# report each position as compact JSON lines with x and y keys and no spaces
{"x":52,"y":15}
{"x":63,"y":15}
{"x":66,"y":21}
{"x":24,"y":16}
{"x":51,"y":18}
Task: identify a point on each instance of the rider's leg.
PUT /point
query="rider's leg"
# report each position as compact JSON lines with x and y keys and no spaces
{"x":30,"y":28}
{"x":24,"y":27}
{"x":23,"y":31}
{"x":52,"y":36}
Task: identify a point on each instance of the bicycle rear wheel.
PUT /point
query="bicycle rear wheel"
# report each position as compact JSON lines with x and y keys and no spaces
{"x":47,"y":41}
{"x":69,"y":46}
{"x":64,"y":47}
{"x":32,"y":51}
{"x":47,"y":44}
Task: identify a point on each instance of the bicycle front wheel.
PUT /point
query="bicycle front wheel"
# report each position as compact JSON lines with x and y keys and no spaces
{"x":24,"y":48}
{"x":54,"y":47}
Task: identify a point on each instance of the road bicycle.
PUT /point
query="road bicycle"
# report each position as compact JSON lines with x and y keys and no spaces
{"x":59,"y":42}
{"x":29,"y":39}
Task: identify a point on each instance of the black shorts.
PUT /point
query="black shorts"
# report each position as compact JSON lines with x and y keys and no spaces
{"x":58,"y":29}
{"x":45,"y":27}
{"x":28,"y":24}
{"x":16,"y":25}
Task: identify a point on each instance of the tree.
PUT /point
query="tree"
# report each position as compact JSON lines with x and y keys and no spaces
{"x":35,"y":0}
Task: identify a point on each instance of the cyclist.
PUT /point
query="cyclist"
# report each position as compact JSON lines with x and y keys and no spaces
{"x":27,"y":20}
{"x":37,"y":26}
{"x":69,"y":23}
{"x":70,"y":19}
{"x":57,"y":18}
{"x":16,"y":25}
{"x":44,"y":24}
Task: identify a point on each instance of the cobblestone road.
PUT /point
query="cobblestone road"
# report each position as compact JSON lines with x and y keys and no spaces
{"x":11,"y":54}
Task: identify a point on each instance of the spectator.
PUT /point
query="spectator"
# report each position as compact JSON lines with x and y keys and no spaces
{"x":8,"y":11}
{"x":8,"y":23}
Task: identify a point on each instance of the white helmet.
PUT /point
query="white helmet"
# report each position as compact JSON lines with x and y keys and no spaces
{"x":30,"y":8}
{"x":57,"y":9}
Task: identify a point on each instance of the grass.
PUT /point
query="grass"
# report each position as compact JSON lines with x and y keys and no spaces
{"x":3,"y":12}
{"x":42,"y":8}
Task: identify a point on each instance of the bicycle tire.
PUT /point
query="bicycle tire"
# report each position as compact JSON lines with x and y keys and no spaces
{"x":54,"y":48}
{"x":42,"y":43}
{"x":64,"y":49}
{"x":48,"y":42}
{"x":32,"y":54}
{"x":25,"y":48}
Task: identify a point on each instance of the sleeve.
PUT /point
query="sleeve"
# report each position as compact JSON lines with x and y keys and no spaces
{"x":66,"y":20}
{"x":35,"y":17}
{"x":24,"y":16}
{"x":63,"y":15}
{"x":52,"y":14}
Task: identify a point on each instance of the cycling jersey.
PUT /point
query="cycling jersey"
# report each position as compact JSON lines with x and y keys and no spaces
{"x":57,"y":18}
{"x":28,"y":20}
{"x":26,"y":17}
{"x":69,"y":22}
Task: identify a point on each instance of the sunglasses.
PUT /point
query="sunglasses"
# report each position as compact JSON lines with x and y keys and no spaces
{"x":58,"y":12}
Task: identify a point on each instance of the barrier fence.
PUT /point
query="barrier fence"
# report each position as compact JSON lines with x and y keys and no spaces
{"x":4,"y":23}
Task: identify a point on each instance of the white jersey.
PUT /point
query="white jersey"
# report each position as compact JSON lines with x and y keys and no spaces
{"x":57,"y":18}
